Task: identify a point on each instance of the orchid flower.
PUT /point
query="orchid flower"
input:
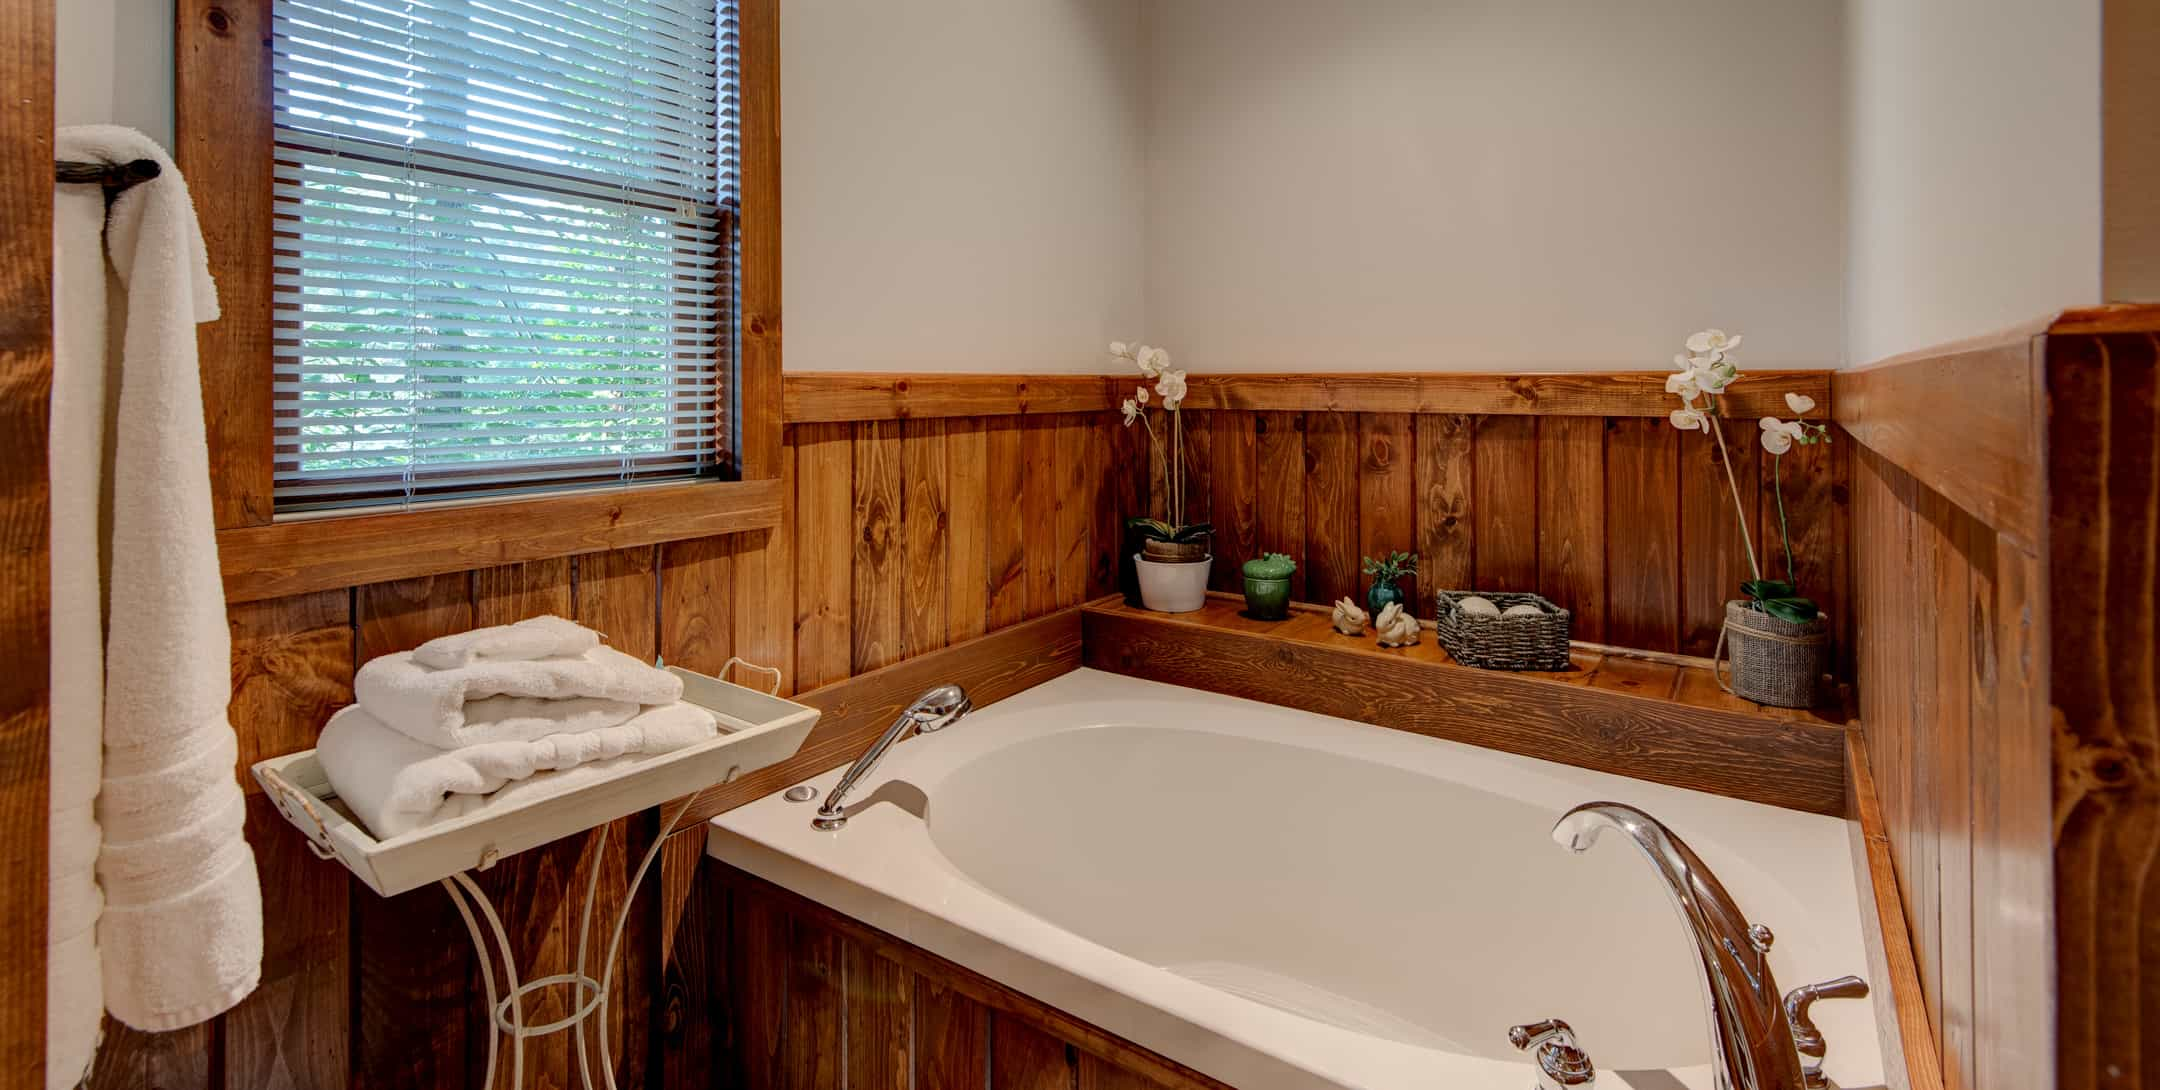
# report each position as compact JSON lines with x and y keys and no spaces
{"x":1172,"y":388}
{"x":1713,"y":344}
{"x":1690,"y":419}
{"x":1131,"y":409}
{"x":1152,"y":361}
{"x":1778,"y":436}
{"x":1800,"y":404}
{"x":1684,"y":385}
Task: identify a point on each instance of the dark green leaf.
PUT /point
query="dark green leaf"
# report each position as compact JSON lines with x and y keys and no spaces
{"x":1791,"y":610}
{"x":1763,"y":589}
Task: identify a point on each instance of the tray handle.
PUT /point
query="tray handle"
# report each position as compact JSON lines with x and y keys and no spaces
{"x":300,"y":809}
{"x":770,"y":671}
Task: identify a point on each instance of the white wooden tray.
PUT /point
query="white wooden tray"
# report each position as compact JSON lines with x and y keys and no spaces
{"x":756,"y":730}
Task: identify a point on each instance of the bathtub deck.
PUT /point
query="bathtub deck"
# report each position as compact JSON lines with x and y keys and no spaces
{"x":1656,"y":717}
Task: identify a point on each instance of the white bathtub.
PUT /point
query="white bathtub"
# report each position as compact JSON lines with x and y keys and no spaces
{"x":1281,"y":899}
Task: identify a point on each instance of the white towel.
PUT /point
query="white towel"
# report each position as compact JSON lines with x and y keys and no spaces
{"x":395,"y":784}
{"x":533,"y":638}
{"x":75,"y":1004}
{"x":180,"y":937}
{"x":564,"y":695}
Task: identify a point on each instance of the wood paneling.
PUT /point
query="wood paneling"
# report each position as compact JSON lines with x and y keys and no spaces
{"x":1624,"y":520}
{"x":1901,"y":1011}
{"x":842,"y":396}
{"x":805,"y":978}
{"x":1628,"y":720}
{"x":26,"y":363}
{"x":1616,"y":393}
{"x":2103,"y":581}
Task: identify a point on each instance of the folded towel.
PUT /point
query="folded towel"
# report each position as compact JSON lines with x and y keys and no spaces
{"x":395,"y":784}
{"x":565,"y":695}
{"x":534,"y":638}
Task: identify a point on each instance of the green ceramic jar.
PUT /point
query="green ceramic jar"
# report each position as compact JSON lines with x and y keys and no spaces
{"x":1267,"y":587}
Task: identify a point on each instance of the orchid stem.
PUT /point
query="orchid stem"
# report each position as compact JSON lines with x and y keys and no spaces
{"x":1739,"y":510}
{"x":1777,"y":479}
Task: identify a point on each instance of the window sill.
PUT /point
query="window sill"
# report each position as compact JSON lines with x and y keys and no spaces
{"x":284,"y":558}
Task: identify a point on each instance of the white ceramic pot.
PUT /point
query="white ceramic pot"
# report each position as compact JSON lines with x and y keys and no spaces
{"x":1173,"y":588}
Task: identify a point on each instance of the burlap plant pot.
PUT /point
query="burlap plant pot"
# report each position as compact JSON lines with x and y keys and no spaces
{"x":1774,"y":662}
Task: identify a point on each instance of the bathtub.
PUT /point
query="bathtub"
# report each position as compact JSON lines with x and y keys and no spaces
{"x":1281,"y":899}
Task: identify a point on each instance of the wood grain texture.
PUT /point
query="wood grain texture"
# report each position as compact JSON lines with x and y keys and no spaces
{"x":764,"y":594}
{"x":878,"y":585}
{"x":959,"y":1029}
{"x":1506,"y":506}
{"x":222,"y":55}
{"x":1446,"y":474}
{"x":1279,"y":491}
{"x":1901,"y":1008}
{"x":830,"y":396}
{"x":691,"y":982}
{"x":924,"y":519}
{"x":1624,"y":722}
{"x":1075,"y":522}
{"x":759,"y":395}
{"x":697,"y":583}
{"x":1978,"y":448}
{"x":1039,"y":507}
{"x":1587,"y":393}
{"x":279,"y":559}
{"x":1387,"y":490}
{"x":824,"y":553}
{"x":1642,"y":534}
{"x":1716,"y":530}
{"x":1235,"y":493}
{"x":2104,"y":676}
{"x":1571,"y":520}
{"x":1331,"y":507}
{"x":26,"y":362}
{"x":1006,"y":570}
{"x":968,"y":505}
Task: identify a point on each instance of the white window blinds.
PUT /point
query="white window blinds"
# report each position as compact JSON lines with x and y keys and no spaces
{"x":504,"y":245}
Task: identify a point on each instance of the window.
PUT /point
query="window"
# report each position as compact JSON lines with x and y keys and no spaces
{"x":504,"y":254}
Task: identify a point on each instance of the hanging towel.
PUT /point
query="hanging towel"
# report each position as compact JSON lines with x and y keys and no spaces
{"x":436,"y":706}
{"x":533,"y":638}
{"x":395,"y":784}
{"x":75,"y":1003}
{"x":180,"y":937}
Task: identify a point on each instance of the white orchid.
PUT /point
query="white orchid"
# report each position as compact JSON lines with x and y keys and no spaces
{"x":1690,"y":419}
{"x":1121,"y":350}
{"x":1131,"y":409}
{"x":1713,"y":343}
{"x":1778,"y":436}
{"x":1141,"y":394}
{"x":1800,"y":404}
{"x":1172,"y":387}
{"x":1684,"y":385}
{"x":1153,"y":361}
{"x":1712,"y":377}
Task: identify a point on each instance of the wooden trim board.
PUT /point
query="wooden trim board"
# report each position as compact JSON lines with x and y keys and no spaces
{"x":284,"y":558}
{"x":990,"y":668}
{"x":849,"y":396}
{"x":1629,"y":717}
{"x":1967,"y":420}
{"x":1901,"y":1014}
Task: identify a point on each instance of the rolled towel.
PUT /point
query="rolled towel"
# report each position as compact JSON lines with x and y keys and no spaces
{"x":543,"y":637}
{"x":395,"y":784}
{"x":450,"y":709}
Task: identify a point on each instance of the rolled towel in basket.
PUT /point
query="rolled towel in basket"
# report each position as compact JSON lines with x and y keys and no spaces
{"x":395,"y":784}
{"x":451,"y":709}
{"x":543,"y":637}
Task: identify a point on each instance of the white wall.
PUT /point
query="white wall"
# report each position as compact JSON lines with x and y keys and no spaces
{"x":1492,"y":184}
{"x":1975,"y":171}
{"x":113,"y":63}
{"x":962,"y":188}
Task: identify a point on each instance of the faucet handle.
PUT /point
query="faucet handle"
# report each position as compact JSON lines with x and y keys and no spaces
{"x":1552,"y":1044}
{"x":1807,"y":1039}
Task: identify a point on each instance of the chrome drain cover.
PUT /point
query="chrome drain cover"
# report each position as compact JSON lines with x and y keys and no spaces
{"x":801,"y":792}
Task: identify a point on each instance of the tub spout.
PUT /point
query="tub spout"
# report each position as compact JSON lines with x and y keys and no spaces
{"x":934,"y":710}
{"x":1752,"y":1046}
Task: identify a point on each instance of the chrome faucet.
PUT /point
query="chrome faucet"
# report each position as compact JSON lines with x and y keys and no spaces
{"x":932,"y":711}
{"x":1755,"y":1042}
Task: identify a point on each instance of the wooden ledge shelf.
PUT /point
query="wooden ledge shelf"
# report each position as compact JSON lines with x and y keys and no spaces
{"x":1653,"y":718}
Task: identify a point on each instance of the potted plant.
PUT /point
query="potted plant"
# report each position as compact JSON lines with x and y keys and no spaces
{"x":1173,"y":563}
{"x":1779,"y":639}
{"x":1387,"y":574}
{"x":1267,"y":586}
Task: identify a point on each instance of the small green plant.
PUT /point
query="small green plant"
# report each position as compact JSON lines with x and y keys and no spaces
{"x":1158,"y":530}
{"x":1391,"y":569}
{"x":1271,"y":566}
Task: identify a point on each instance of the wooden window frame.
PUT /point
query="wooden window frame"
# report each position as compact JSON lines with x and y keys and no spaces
{"x":222,"y":114}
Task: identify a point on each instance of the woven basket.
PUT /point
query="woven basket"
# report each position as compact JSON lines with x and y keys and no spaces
{"x":1504,"y":643}
{"x":1773,"y":662}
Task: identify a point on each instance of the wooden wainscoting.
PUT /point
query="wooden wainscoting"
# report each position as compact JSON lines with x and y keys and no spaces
{"x":1952,"y":675}
{"x":818,"y":999}
{"x":1622,"y":519}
